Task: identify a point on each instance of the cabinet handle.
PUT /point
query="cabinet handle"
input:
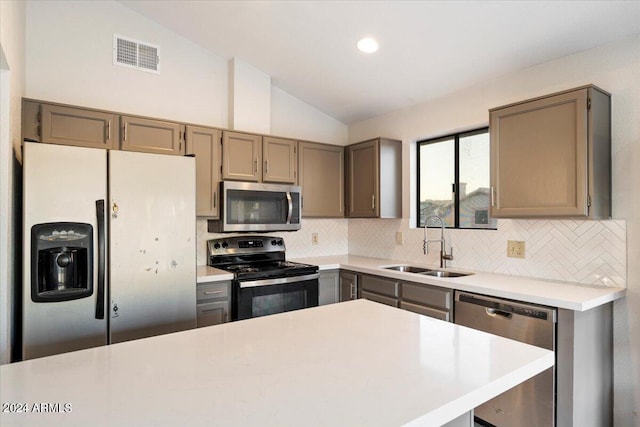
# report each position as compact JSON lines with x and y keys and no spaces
{"x":266,"y":166}
{"x":353,"y":291}
{"x":493,"y":196}
{"x":215,"y":199}
{"x":255,"y":165}
{"x":124,"y":138}
{"x":373,"y":202}
{"x":109,"y":131}
{"x":212,"y":292}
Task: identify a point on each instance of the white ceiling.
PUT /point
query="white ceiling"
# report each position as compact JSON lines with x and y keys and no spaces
{"x":427,"y":48}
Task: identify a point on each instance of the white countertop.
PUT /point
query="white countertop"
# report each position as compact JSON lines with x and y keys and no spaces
{"x":559,"y":294}
{"x":204,"y":273}
{"x":353,"y":363}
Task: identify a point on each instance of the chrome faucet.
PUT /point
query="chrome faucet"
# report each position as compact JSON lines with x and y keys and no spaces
{"x":444,"y":256}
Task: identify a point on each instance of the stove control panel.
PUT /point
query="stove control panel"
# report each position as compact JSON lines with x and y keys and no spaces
{"x":245,"y":244}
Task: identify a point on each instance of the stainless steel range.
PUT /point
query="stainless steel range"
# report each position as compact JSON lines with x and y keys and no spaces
{"x":264,"y":282}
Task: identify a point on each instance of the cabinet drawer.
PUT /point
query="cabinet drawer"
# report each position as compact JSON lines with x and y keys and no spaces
{"x":207,"y":291}
{"x":429,"y":295}
{"x":380,"y":298}
{"x":212,"y":313}
{"x":427,"y":311}
{"x":380,"y":286}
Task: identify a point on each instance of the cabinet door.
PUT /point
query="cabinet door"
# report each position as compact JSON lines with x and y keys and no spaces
{"x":328,"y":287}
{"x":364,"y":187}
{"x":348,"y":286}
{"x":321,"y":179}
{"x":151,"y":136}
{"x":280,"y":159}
{"x":204,"y":143}
{"x":539,"y":157}
{"x":212,"y":313}
{"x":241,"y":156}
{"x":426,"y":311}
{"x":78,"y":126}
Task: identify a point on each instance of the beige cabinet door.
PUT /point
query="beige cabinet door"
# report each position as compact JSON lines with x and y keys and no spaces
{"x":348,"y":286}
{"x":204,"y":143}
{"x":241,"y":156}
{"x":321,"y":179}
{"x":78,"y":126}
{"x":539,"y":157}
{"x":151,"y":136}
{"x":363,"y":179}
{"x":280,"y":160}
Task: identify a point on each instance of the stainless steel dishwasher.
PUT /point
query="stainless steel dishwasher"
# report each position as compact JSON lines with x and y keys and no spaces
{"x":531,"y":403}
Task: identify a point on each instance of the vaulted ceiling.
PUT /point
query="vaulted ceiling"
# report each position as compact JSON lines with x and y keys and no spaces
{"x":427,"y":48}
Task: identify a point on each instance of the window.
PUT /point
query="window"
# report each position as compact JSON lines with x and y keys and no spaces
{"x":453,"y":180}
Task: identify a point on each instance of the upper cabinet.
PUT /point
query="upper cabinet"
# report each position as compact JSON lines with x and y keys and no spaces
{"x":551,"y":156}
{"x":241,"y":156}
{"x":151,"y":136}
{"x":374,"y":179}
{"x":204,"y":144}
{"x":249,"y":157}
{"x":280,"y":158}
{"x":321,"y":179}
{"x":57,"y":124}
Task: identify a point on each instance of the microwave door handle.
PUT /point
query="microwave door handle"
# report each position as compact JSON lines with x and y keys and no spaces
{"x":290,"y":212}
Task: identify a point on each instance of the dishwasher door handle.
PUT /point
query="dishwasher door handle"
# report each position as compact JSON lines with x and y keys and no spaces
{"x":493,"y":312}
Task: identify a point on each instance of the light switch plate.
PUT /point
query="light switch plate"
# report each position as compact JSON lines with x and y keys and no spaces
{"x":314,"y":238}
{"x":515,"y":248}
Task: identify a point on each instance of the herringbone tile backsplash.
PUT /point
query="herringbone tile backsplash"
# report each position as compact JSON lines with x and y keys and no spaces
{"x":589,"y":252}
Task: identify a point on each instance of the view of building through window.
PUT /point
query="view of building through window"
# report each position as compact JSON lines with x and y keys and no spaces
{"x":453,"y":180}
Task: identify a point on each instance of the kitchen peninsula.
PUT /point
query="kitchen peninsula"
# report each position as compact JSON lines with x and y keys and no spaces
{"x":354,"y":363}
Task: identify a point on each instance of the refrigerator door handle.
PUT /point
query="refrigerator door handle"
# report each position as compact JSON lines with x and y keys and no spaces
{"x":100,"y":211}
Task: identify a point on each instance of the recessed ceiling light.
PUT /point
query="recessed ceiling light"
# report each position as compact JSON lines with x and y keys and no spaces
{"x":367,"y":45}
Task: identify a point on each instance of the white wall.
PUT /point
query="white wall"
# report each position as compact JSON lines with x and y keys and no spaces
{"x":69,"y":60}
{"x":615,"y":68}
{"x":291,"y":116}
{"x":249,"y":98}
{"x":12,"y":39}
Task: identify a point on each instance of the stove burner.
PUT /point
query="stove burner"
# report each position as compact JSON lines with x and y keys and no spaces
{"x":242,"y":268}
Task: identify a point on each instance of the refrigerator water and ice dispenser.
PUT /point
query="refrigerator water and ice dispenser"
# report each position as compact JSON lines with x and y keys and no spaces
{"x":61,"y":261}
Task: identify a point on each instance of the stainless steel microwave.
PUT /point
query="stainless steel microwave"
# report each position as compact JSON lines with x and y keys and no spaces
{"x":248,"y":206}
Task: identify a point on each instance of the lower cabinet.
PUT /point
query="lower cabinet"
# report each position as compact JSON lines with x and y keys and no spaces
{"x":429,"y":300}
{"x":213,"y":303}
{"x":380,"y":289}
{"x":348,"y":285}
{"x":328,"y":287}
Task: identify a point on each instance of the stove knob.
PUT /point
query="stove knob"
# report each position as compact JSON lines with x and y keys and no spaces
{"x":225,"y":244}
{"x":274,"y":242}
{"x":280,"y":242}
{"x":216,"y":246}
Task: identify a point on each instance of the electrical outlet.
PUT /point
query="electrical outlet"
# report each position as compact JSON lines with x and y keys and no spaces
{"x":314,"y":238}
{"x":515,"y":248}
{"x":399,"y":240}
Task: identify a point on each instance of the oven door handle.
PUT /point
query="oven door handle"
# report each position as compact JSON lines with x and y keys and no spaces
{"x":278,"y":280}
{"x":290,"y":212}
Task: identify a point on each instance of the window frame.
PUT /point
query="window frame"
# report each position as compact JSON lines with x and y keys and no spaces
{"x":456,"y":185}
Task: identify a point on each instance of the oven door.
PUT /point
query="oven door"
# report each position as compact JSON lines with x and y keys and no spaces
{"x":257,"y":298}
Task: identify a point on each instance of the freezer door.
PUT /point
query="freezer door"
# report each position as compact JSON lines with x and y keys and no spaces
{"x":152,"y":216}
{"x":61,"y":185}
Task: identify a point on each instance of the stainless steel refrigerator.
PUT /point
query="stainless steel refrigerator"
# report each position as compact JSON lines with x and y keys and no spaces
{"x":109,"y":247}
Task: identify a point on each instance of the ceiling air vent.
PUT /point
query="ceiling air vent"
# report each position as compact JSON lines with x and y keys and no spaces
{"x":136,"y":54}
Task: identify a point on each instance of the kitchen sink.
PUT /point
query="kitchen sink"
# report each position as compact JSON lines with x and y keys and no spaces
{"x":408,"y":269}
{"x":425,"y":271}
{"x":442,"y":273}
